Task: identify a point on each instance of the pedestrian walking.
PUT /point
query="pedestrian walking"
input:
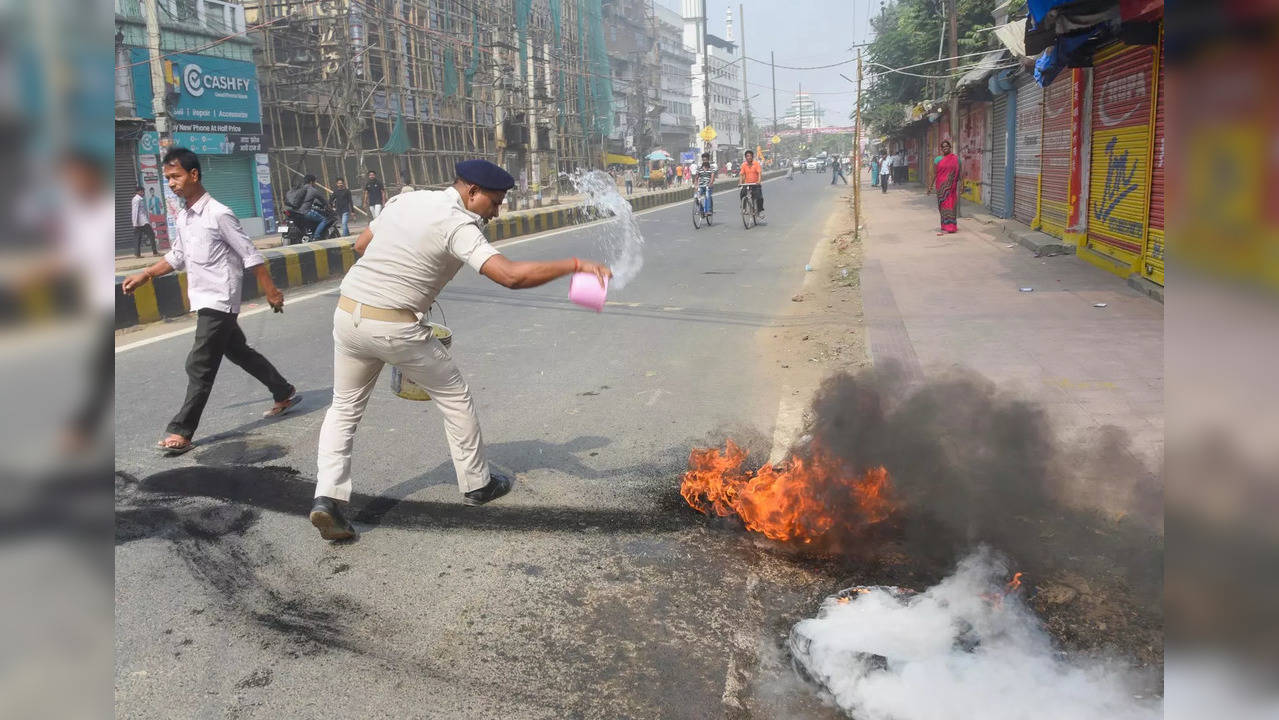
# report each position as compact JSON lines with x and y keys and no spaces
{"x":142,"y":230}
{"x":947,"y":182}
{"x":342,"y":204}
{"x":630,"y":181}
{"x":215,"y":251}
{"x":837,"y":170}
{"x":885,"y":171}
{"x":374,"y":195}
{"x":407,"y":255}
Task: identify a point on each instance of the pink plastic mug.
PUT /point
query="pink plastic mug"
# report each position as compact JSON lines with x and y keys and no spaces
{"x":584,"y":289}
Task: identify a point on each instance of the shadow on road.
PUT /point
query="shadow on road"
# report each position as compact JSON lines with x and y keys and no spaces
{"x":283,"y":490}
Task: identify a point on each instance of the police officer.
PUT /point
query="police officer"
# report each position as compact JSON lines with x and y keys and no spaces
{"x":408,"y":254}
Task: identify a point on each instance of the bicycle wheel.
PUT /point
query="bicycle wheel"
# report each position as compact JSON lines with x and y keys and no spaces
{"x":697,"y":215}
{"x":748,"y":212}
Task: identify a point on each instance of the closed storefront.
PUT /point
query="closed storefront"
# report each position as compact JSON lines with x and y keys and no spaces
{"x":217,"y":114}
{"x":126,"y":181}
{"x":1030,"y":117}
{"x":912,"y":159}
{"x":998,"y":203}
{"x":1119,"y":179}
{"x":971,"y":151}
{"x":1152,"y":263}
{"x":1054,"y":198}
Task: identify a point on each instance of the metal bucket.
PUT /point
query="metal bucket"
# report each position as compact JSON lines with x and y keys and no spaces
{"x":406,"y":388}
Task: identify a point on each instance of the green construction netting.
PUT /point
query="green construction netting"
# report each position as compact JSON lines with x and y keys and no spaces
{"x":474,"y":65}
{"x":450,"y":72}
{"x":522,"y":10}
{"x":600,"y":76}
{"x":557,"y":17}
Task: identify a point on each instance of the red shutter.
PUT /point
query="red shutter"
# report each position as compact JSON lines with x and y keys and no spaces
{"x":1152,"y":263}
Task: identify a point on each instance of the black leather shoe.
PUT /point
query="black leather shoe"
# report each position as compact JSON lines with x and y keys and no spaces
{"x":498,"y":486}
{"x":327,"y":517}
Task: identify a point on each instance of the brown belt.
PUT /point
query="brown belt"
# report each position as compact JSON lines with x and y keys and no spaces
{"x":368,"y":312}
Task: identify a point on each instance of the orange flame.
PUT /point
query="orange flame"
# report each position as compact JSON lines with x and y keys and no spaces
{"x":1014,"y":584}
{"x":801,"y":501}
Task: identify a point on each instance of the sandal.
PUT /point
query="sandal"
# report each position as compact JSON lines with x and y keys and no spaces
{"x":283,"y":406}
{"x":181,"y":447}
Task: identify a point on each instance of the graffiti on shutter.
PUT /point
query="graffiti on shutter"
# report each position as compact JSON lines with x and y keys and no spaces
{"x":1119,"y":181}
{"x":972,"y":138}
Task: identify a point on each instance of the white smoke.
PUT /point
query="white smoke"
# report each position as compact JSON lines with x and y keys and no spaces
{"x":622,"y":243}
{"x":961,"y":649}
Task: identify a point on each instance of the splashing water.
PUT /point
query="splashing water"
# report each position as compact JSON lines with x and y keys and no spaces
{"x":619,"y":235}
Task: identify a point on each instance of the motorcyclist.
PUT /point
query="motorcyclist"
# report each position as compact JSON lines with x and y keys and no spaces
{"x":314,"y":206}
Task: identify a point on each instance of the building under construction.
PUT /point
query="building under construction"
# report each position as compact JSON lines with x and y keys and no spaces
{"x":407,"y":88}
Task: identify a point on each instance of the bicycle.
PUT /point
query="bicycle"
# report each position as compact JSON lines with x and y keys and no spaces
{"x":750,"y":215}
{"x":702,"y":207}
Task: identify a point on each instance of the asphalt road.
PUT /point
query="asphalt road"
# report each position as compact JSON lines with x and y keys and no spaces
{"x":590,"y":591}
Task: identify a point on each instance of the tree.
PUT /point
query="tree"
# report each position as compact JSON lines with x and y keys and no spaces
{"x":907,"y":33}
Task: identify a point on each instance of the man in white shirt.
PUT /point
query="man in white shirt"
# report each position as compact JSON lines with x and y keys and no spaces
{"x":142,"y":230}
{"x":885,"y":169}
{"x":215,"y":251}
{"x":407,"y":255}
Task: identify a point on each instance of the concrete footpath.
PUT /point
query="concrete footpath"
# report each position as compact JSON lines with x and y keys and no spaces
{"x":1075,"y":340}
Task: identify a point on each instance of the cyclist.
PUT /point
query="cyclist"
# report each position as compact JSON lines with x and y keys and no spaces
{"x":750,"y":172}
{"x":705,"y":179}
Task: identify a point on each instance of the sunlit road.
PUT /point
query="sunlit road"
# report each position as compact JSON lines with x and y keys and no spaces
{"x":590,"y":591}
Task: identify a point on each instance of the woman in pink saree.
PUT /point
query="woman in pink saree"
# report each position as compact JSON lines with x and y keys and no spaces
{"x":947,"y":184}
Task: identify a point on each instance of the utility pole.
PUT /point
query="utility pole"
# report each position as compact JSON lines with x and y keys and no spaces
{"x":741,"y":21}
{"x":499,"y":106}
{"x":772,"y":62}
{"x":954,"y":64}
{"x":533,"y":163}
{"x":555,"y":139}
{"x":706,"y":79}
{"x":158,"y":105}
{"x":857,"y":152}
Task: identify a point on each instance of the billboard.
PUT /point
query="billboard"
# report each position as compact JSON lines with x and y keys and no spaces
{"x":213,"y":102}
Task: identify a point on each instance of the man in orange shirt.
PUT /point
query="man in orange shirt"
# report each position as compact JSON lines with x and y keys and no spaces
{"x":750,"y":176}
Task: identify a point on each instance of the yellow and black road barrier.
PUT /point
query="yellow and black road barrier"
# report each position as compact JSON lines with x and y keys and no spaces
{"x":297,"y":265}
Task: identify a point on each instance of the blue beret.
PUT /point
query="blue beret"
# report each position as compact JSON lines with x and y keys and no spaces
{"x":485,"y":174}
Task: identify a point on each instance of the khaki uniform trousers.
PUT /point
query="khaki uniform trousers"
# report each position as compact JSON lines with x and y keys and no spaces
{"x":360,"y":348}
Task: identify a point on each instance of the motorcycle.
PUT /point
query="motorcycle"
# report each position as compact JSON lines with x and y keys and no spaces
{"x":298,"y":228}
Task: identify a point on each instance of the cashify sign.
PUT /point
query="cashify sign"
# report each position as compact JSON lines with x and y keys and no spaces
{"x":196,"y":80}
{"x":203,"y":93}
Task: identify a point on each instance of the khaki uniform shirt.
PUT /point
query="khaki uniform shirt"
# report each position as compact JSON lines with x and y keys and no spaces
{"x":420,"y":240}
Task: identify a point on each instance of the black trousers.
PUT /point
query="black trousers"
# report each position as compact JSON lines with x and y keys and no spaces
{"x":145,"y":233}
{"x":217,"y":334}
{"x":756,"y":191}
{"x":883,"y":181}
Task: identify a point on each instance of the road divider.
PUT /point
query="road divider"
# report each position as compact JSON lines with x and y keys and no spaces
{"x":299,"y":265}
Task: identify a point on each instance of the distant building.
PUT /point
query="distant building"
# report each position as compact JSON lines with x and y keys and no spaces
{"x":725,"y":80}
{"x":804,"y":113}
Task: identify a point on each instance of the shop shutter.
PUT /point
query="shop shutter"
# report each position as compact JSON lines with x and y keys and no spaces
{"x":1054,"y":201}
{"x":126,"y":181}
{"x":1152,"y":263}
{"x":972,"y":142}
{"x":1030,"y":116}
{"x":999,"y":156}
{"x":229,"y":179}
{"x":912,"y":159}
{"x":1118,"y":184}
